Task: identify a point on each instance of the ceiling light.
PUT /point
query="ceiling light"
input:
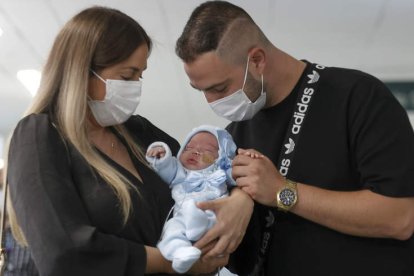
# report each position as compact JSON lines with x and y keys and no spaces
{"x":30,"y":79}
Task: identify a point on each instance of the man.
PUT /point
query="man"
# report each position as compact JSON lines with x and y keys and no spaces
{"x":342,"y":196}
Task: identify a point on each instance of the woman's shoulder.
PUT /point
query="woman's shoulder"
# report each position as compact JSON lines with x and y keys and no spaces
{"x":138,"y":121}
{"x":33,"y":121}
{"x":34,"y":127}
{"x":147,"y":133}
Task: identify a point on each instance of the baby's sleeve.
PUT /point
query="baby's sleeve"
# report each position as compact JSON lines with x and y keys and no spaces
{"x":225,"y":164}
{"x":166,"y":166}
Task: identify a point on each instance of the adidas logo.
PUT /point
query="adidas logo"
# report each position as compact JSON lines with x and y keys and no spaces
{"x":290,"y":147}
{"x":270,"y":219}
{"x":314,"y":77}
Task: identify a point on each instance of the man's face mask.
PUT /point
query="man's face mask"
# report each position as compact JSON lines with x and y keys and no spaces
{"x":237,"y":106}
{"x":121,"y":100}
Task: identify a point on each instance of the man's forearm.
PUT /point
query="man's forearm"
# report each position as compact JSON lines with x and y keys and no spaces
{"x":360,"y":213}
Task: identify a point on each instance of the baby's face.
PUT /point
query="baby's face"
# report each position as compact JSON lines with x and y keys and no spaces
{"x":200,"y":152}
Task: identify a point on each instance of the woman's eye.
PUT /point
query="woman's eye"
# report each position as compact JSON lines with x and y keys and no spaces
{"x":135,"y":78}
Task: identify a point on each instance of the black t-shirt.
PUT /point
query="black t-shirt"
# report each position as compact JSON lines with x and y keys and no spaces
{"x":70,"y":215}
{"x":355,"y":136}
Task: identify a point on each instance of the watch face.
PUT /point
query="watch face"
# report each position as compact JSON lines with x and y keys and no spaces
{"x":287,"y":197}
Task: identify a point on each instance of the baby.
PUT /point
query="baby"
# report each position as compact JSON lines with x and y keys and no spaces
{"x":201,"y":172}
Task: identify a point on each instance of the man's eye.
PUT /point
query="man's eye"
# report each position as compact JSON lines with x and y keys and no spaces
{"x":220,"y":89}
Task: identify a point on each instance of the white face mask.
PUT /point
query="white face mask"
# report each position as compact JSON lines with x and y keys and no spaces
{"x":121,"y":100}
{"x":237,"y":106}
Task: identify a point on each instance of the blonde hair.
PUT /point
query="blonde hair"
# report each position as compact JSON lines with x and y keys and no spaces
{"x":95,"y":38}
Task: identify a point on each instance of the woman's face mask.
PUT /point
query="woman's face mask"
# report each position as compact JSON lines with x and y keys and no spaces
{"x":121,"y":100}
{"x":237,"y":106}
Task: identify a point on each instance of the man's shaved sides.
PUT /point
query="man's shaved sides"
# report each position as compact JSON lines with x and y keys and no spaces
{"x":241,"y":35}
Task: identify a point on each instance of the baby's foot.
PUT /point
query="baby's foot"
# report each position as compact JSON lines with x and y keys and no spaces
{"x":184,"y":258}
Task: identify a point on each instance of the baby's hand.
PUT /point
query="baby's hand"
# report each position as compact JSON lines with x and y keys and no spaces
{"x":251,"y":152}
{"x":157,"y":151}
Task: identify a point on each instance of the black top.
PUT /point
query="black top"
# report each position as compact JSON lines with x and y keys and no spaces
{"x":356,"y":136}
{"x":70,"y":216}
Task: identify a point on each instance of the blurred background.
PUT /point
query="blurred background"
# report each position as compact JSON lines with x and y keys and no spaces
{"x":376,"y":36}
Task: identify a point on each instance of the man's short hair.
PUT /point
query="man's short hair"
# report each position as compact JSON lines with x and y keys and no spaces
{"x":206,"y":27}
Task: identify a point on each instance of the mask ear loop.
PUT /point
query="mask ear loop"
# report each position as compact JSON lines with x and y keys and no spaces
{"x":245,"y":76}
{"x":99,"y":77}
{"x":245,"y":73}
{"x":262,"y":85}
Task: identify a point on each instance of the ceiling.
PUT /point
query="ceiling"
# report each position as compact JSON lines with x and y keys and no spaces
{"x":376,"y":36}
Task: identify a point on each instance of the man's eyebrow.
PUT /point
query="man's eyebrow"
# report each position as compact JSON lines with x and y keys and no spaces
{"x":210,"y":87}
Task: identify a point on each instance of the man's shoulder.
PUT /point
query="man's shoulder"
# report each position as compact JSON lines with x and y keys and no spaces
{"x":349,"y":76}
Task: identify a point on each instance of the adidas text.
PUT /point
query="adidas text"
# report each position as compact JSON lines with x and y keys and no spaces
{"x":284,"y":168}
{"x":302,"y":108}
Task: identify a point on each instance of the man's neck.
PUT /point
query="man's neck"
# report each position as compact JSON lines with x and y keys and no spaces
{"x":283,"y":73}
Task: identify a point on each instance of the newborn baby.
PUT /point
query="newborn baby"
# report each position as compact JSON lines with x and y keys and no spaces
{"x":201,"y":172}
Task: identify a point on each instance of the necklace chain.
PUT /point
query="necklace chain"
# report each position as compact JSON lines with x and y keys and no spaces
{"x":113,"y":148}
{"x":112,"y":145}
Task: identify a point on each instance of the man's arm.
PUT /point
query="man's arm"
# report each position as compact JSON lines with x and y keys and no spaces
{"x":360,"y":213}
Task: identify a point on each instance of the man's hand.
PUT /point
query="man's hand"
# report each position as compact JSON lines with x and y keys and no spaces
{"x":257,"y":176}
{"x":233,"y":215}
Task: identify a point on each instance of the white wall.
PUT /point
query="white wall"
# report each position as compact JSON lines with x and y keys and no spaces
{"x":1,"y":151}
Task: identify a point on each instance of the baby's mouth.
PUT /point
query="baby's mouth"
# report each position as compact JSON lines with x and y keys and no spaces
{"x":192,"y":161}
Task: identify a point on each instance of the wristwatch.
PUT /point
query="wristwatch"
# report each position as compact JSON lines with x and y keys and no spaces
{"x":287,"y":197}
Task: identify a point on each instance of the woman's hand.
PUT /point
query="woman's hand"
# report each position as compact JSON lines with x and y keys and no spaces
{"x":156,"y":263}
{"x":233,"y":215}
{"x":208,"y":265}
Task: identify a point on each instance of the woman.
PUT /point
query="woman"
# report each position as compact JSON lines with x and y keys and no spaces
{"x":83,"y":196}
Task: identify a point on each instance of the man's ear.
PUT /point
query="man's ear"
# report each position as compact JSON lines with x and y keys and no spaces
{"x":257,"y":61}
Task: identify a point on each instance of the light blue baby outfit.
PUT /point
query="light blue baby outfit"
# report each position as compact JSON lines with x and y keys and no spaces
{"x":189,"y":223}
